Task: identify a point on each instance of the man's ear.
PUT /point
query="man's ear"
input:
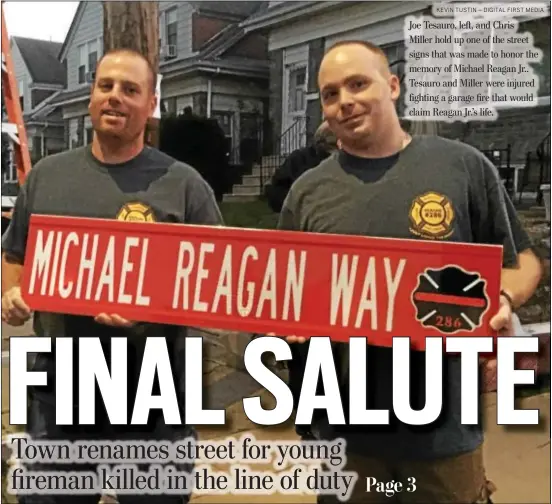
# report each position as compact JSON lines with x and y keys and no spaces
{"x":154,"y":101}
{"x":395,"y":85}
{"x":91,"y":93}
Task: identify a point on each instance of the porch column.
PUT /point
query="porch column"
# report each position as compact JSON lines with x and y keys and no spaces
{"x":314,"y":109}
{"x":275,"y":101}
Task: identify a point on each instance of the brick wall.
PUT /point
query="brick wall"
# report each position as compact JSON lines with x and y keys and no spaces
{"x":253,"y":46}
{"x":205,"y":27}
{"x":523,"y":129}
{"x":38,"y":95}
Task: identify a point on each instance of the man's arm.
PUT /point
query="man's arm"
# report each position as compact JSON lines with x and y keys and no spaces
{"x":521,"y":281}
{"x":12,"y":270}
{"x":278,"y":187}
{"x":201,"y":205}
{"x":499,"y":223}
{"x":14,"y":309}
{"x":14,"y":241}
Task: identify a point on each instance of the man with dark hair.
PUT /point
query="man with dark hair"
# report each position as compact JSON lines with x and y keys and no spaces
{"x":297,"y":163}
{"x":116,"y":177}
{"x":372,"y":187}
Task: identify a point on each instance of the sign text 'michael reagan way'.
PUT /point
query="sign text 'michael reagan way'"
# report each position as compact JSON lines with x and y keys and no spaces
{"x":262,"y":281}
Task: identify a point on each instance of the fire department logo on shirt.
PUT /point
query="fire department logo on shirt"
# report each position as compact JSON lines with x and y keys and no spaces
{"x":136,"y":212}
{"x":431,"y":216}
{"x":450,"y":299}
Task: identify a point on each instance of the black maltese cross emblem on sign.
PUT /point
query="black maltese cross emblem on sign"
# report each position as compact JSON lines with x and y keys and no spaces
{"x":450,"y":299}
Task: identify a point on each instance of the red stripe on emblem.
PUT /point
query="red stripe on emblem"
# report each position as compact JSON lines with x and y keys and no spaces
{"x":448,"y":299}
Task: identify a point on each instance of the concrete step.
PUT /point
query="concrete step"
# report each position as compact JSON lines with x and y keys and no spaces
{"x":240,"y":198}
{"x":273,"y":160}
{"x":251,"y":180}
{"x":267,"y":171}
{"x":246,"y":190}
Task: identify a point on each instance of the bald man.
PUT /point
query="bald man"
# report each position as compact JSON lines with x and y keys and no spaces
{"x":371,"y":188}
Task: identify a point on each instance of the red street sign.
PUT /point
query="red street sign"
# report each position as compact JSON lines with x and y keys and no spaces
{"x":259,"y":281}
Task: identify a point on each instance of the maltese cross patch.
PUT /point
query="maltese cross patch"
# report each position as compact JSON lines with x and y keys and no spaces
{"x":450,"y":299}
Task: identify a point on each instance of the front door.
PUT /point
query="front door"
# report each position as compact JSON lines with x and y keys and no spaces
{"x":295,"y":107}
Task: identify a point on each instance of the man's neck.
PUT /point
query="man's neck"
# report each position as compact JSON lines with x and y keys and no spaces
{"x":113,"y":151}
{"x":384,"y":145}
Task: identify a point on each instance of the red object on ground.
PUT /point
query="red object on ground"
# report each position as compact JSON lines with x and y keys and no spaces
{"x":260,"y":281}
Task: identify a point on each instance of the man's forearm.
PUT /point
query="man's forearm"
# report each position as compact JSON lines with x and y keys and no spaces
{"x":12,"y":269}
{"x":521,"y":281}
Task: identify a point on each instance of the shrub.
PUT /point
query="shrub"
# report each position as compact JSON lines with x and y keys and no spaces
{"x":199,"y":142}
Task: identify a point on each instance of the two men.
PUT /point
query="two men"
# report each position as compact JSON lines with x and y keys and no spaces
{"x":113,"y":175}
{"x":369,"y":188}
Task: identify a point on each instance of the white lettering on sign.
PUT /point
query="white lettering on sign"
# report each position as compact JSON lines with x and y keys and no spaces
{"x":295,"y":280}
{"x":202,"y":274}
{"x":65,"y":289}
{"x":239,"y":297}
{"x":50,"y":260}
{"x":107,"y":275}
{"x":344,"y":274}
{"x":41,"y":261}
{"x":268,"y":290}
{"x":245,"y":310}
{"x":87,"y":264}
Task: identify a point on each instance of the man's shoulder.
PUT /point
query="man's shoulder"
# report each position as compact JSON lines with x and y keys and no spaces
{"x":57,"y":165}
{"x":177,"y":168}
{"x":453,"y":148}
{"x":313,"y":176}
{"x":61,"y":159}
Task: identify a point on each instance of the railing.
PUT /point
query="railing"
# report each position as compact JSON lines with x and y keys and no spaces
{"x":536,"y":170}
{"x":543,"y":155}
{"x":293,"y":138}
{"x":501,"y":157}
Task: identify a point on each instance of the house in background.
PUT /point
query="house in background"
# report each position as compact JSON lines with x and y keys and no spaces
{"x":40,"y":77}
{"x":207,"y":61}
{"x":299,"y":32}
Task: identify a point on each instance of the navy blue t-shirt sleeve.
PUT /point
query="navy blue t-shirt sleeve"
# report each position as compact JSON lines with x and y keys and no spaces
{"x":201,"y":204}
{"x":14,"y":241}
{"x":496,"y":220}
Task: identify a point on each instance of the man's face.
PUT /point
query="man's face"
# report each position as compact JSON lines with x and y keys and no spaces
{"x":122,"y":98}
{"x":357,"y":91}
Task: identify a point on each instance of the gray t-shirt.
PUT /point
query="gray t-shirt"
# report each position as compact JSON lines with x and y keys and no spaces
{"x":153,"y":187}
{"x":382,"y":197}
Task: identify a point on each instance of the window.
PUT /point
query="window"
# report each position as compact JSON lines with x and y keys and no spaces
{"x":21,"y":96}
{"x":225,"y":122}
{"x":297,"y":89}
{"x":82,"y":63}
{"x":540,"y":29}
{"x":92,"y":55}
{"x":168,"y":106}
{"x":89,"y":54}
{"x":10,"y":175}
{"x":395,"y":56}
{"x":170,"y":28}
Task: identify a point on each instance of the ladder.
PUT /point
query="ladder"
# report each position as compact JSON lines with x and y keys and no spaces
{"x":14,"y":128}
